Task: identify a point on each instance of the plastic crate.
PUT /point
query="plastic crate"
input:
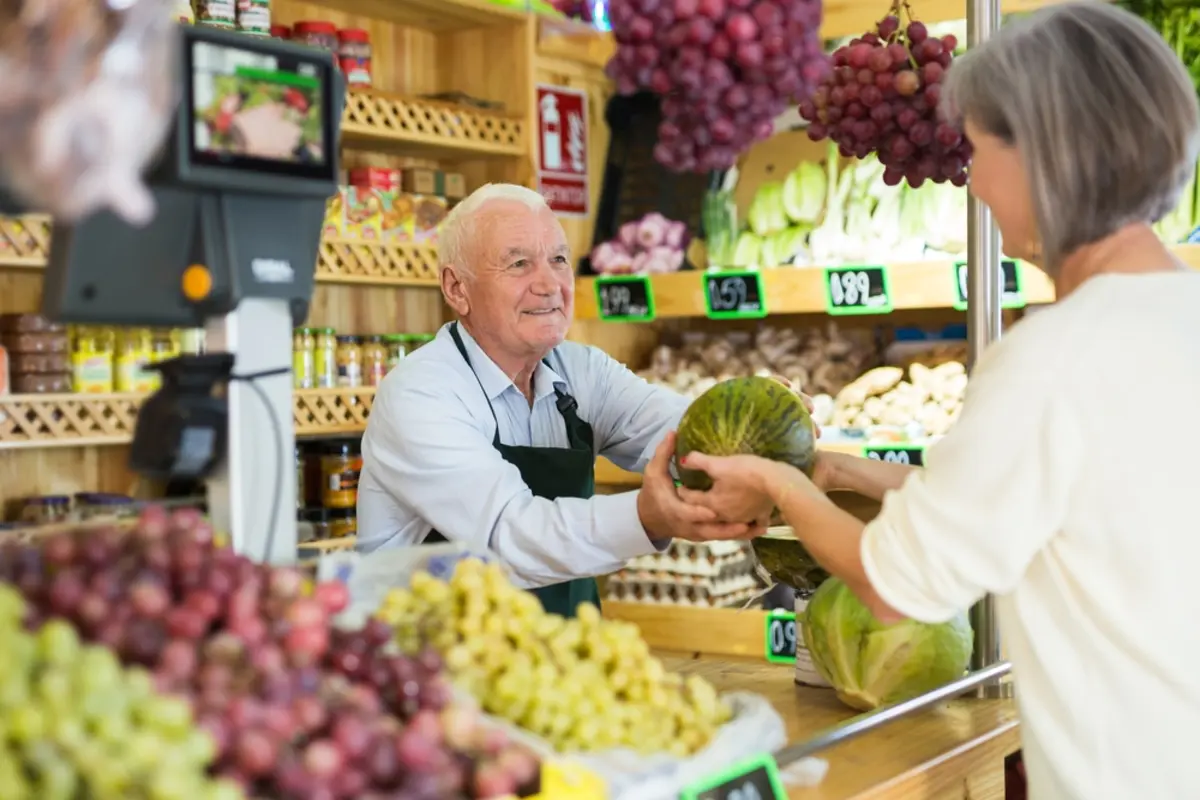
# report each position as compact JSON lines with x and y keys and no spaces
{"x":634,"y":183}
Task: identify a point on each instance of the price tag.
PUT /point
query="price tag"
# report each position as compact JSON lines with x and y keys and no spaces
{"x":781,"y":636}
{"x":857,"y":290}
{"x":755,"y":778}
{"x":1011,"y":295}
{"x":625,"y":298}
{"x":734,"y":295}
{"x":913,"y":454}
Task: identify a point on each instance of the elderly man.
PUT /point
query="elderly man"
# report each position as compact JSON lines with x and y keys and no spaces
{"x":488,"y":435}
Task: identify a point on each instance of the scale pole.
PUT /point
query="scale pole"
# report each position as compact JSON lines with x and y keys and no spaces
{"x":985,"y":281}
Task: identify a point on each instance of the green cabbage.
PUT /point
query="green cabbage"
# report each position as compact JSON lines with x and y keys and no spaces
{"x":871,"y":664}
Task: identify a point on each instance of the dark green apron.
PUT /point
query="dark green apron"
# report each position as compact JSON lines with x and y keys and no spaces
{"x":550,"y":472}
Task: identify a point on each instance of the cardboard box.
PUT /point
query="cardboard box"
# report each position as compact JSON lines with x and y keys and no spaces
{"x":433,"y":182}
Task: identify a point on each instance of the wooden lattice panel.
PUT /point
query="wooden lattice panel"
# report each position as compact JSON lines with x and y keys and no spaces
{"x":54,"y":420}
{"x":321,"y":412}
{"x":24,"y":241}
{"x":357,"y":261}
{"x":452,"y":130}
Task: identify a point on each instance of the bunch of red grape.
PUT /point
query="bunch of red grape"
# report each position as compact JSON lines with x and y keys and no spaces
{"x":297,"y":710}
{"x":882,"y":97}
{"x":725,"y":69}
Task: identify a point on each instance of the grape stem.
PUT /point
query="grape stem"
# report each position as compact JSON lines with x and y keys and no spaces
{"x":902,"y":11}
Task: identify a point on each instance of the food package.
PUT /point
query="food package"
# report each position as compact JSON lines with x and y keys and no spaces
{"x":88,"y":95}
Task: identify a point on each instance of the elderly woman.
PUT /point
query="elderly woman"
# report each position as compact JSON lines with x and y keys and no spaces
{"x":1049,"y":492}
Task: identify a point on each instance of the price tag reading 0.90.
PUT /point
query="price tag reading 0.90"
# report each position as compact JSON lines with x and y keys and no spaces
{"x":913,"y":455}
{"x":755,"y":778}
{"x":781,"y":636}
{"x":625,"y":298}
{"x":857,"y":290}
{"x":1011,"y":294}
{"x":734,"y":295}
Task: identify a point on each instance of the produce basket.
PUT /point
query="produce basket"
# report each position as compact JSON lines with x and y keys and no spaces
{"x":781,"y":558}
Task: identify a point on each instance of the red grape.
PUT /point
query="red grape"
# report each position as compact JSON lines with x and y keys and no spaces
{"x":882,"y":97}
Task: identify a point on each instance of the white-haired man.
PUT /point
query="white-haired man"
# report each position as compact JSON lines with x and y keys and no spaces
{"x":488,"y":435}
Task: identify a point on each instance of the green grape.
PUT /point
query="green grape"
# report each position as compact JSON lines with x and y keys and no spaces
{"x":58,"y":643}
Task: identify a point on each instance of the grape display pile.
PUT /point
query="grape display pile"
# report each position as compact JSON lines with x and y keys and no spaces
{"x":78,"y":724}
{"x":725,"y":69}
{"x":882,"y":97}
{"x":293,"y":709}
{"x":583,"y":684}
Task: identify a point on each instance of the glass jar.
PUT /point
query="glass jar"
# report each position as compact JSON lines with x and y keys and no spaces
{"x":313,"y":525}
{"x":343,"y":522}
{"x":45,"y":510}
{"x":92,"y":360}
{"x":340,"y":466}
{"x":326,"y":358}
{"x":316,"y":33}
{"x":311,"y":488}
{"x":164,"y":345}
{"x":375,"y":361}
{"x":349,"y":362}
{"x":304,"y":359}
{"x":191,"y":341}
{"x":132,"y":352}
{"x":397,"y":348}
{"x":354,"y":56}
{"x":95,"y":505}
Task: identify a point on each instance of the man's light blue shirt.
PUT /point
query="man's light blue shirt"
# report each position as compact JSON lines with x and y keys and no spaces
{"x":429,"y":463}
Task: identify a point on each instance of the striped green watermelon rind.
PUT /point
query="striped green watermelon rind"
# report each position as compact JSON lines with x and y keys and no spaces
{"x":746,"y":416}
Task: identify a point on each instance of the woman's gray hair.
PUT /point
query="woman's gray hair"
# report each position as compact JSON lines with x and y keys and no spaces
{"x":459,"y":226}
{"x":1101,"y":110}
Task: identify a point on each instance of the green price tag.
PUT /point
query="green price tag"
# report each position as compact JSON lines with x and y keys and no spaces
{"x":625,"y":298}
{"x":734,"y":295}
{"x":857,"y":290}
{"x":781,"y":636}
{"x":913,"y":454}
{"x":754,"y":778}
{"x":1011,"y":294}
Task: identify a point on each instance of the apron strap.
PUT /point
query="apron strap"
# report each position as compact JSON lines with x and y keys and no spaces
{"x":579,"y":433}
{"x":458,"y":342}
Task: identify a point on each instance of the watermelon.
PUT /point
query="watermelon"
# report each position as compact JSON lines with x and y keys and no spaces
{"x":753,"y":416}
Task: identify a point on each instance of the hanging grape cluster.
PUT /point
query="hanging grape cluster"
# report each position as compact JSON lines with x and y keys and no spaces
{"x":882,"y":97}
{"x":725,"y":69}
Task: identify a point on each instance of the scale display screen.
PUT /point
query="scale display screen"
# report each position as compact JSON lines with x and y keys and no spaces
{"x":259,"y":112}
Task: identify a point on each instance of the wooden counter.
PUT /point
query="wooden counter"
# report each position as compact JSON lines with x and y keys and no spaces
{"x":954,"y":752}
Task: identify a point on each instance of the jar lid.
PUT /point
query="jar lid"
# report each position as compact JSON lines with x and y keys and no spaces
{"x":281,"y":31}
{"x":349,"y":339}
{"x":111,"y":500}
{"x":423,"y":337}
{"x":304,"y":331}
{"x":353,"y":35}
{"x":305,"y":26}
{"x":341,"y":513}
{"x":48,"y":500}
{"x":375,"y":339}
{"x":314,"y":515}
{"x":395,"y":338}
{"x":326,"y":331}
{"x":345,"y":447}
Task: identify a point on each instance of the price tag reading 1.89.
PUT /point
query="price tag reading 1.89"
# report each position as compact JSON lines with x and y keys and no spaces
{"x":625,"y":298}
{"x":911,"y":454}
{"x":755,"y":778}
{"x":857,"y":290}
{"x":781,"y":636}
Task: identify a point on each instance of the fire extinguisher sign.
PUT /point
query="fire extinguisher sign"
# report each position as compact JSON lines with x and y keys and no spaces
{"x":563,"y":149}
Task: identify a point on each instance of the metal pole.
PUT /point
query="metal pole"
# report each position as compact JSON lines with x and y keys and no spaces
{"x":984,"y":289}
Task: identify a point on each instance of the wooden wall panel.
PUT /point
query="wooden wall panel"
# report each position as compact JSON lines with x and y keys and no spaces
{"x":376,"y":309}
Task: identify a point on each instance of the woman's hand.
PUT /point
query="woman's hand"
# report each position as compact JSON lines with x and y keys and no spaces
{"x":742,"y":485}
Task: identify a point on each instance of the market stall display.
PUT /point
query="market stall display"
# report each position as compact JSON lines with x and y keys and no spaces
{"x":650,"y":244}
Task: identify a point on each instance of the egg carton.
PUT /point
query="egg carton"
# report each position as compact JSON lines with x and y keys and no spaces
{"x":719,"y":559}
{"x":652,"y":583}
{"x":674,"y":594}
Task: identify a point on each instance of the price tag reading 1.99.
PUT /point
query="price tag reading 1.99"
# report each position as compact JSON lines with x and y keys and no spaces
{"x":625,"y":298}
{"x":857,"y":290}
{"x":755,"y":778}
{"x":781,"y":636}
{"x":913,"y":455}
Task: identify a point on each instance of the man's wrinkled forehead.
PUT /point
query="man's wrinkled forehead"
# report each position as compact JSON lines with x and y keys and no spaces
{"x":511,"y":233}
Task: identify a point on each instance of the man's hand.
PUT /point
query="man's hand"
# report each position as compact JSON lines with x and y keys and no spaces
{"x":665,"y":515}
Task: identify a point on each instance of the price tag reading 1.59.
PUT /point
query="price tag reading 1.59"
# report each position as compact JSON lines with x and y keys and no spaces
{"x":734,"y":295}
{"x":913,"y":455}
{"x":625,"y":298}
{"x":755,"y":778}
{"x":857,"y":290}
{"x":1011,"y":295}
{"x":781,"y":636}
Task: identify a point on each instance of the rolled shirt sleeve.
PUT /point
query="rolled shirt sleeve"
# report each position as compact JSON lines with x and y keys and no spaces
{"x":993,"y":493}
{"x":432,"y":458}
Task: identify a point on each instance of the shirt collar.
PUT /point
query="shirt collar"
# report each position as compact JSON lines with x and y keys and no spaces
{"x":496,"y":383}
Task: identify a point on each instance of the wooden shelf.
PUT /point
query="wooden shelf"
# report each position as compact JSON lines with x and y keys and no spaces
{"x":388,"y":123}
{"x":25,"y":244}
{"x":437,"y":16}
{"x":801,"y":290}
{"x":80,"y":420}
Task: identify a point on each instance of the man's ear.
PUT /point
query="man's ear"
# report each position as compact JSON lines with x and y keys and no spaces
{"x":454,"y":290}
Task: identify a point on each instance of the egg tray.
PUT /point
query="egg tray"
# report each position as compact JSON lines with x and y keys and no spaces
{"x":675,"y":594}
{"x":719,"y":560}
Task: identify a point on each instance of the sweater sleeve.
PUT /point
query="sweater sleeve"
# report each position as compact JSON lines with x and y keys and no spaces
{"x":993,"y":493}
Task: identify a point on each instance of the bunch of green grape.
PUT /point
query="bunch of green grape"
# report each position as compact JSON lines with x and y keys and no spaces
{"x":585,"y":684}
{"x":75,"y":724}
